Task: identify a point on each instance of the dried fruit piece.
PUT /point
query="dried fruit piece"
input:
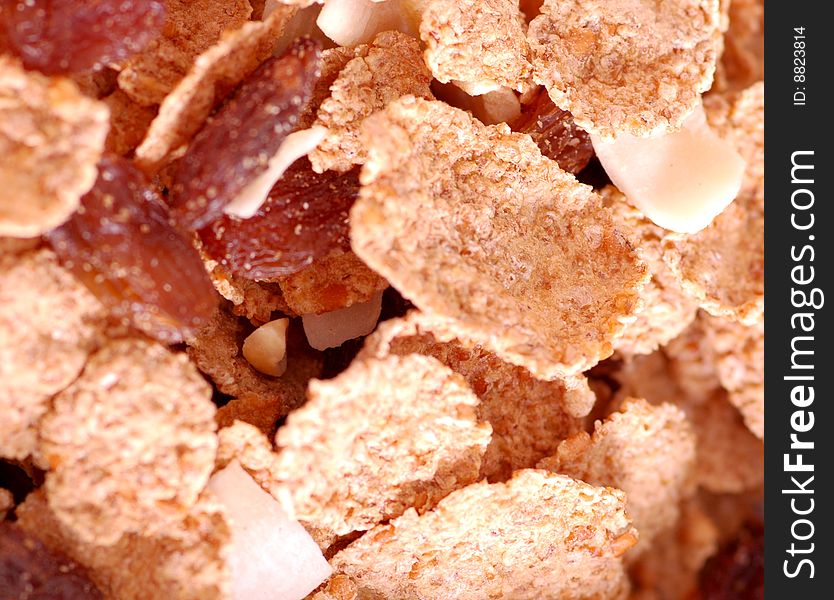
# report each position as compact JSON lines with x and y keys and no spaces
{"x":236,"y":145}
{"x":538,"y":535}
{"x":626,"y":66}
{"x":402,"y":432}
{"x":28,"y":569}
{"x":388,"y":68}
{"x":57,"y":37}
{"x":49,"y":324}
{"x":215,"y":73}
{"x":723,"y":265}
{"x":667,"y":309}
{"x":187,"y":561}
{"x":305,"y":217}
{"x":191,"y":26}
{"x":130,"y":443}
{"x":50,"y":138}
{"x":737,"y":571}
{"x":331,"y":283}
{"x":646,"y":451}
{"x":555,"y":133}
{"x":529,"y":417}
{"x":121,"y":245}
{"x":478,"y":44}
{"x":485,"y":235}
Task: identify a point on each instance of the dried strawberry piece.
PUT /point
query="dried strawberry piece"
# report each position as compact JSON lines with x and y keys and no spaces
{"x":555,"y":133}
{"x":56,"y":36}
{"x":28,"y":569}
{"x":737,"y":571}
{"x":235,"y":146}
{"x":305,"y":217}
{"x":122,"y":246}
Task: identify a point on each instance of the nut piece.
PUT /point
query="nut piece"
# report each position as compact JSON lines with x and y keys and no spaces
{"x":680,"y":180}
{"x":332,"y":329}
{"x":49,"y":324}
{"x":484,"y":235}
{"x":266,"y":348}
{"x":51,"y":137}
{"x":130,"y":444}
{"x":626,"y":66}
{"x":540,"y":535}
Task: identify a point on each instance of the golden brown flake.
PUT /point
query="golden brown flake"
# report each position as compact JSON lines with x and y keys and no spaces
{"x":217,"y":352}
{"x":129,"y":122}
{"x":214,"y":74}
{"x":51,"y":137}
{"x":388,"y":68}
{"x":670,"y":568}
{"x":739,"y":361}
{"x":646,"y":451}
{"x":255,"y":300}
{"x":191,"y":27}
{"x":667,"y":310}
{"x":481,"y":232}
{"x":130,"y":443}
{"x":480,"y":44}
{"x":400,"y":432}
{"x":634,"y":66}
{"x":692,"y":361}
{"x":538,"y":535}
{"x":529,"y":417}
{"x":729,"y":457}
{"x":338,"y":587}
{"x":187,"y":561}
{"x":333,"y":60}
{"x":331,"y":283}
{"x":49,"y":324}
{"x":723,"y":265}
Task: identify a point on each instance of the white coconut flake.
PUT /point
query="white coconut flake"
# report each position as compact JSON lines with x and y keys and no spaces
{"x":272,"y":556}
{"x":332,"y":329}
{"x":296,"y":145}
{"x":680,"y":180}
{"x":352,"y":22}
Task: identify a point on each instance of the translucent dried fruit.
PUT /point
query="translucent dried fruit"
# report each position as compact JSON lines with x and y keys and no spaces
{"x":55,"y":36}
{"x":555,"y":133}
{"x":305,"y":217}
{"x":28,"y":569}
{"x":121,"y":245}
{"x":235,"y":147}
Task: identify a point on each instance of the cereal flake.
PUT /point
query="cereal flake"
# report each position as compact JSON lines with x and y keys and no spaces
{"x":130,"y":444}
{"x":51,"y":137}
{"x":634,"y":66}
{"x":388,"y":68}
{"x":481,"y":232}
{"x":538,"y":535}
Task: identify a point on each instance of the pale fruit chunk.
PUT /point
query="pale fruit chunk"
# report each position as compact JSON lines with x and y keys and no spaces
{"x":266,"y":348}
{"x":680,"y":180}
{"x":332,"y":329}
{"x":352,"y":22}
{"x":272,"y":556}
{"x":294,"y":146}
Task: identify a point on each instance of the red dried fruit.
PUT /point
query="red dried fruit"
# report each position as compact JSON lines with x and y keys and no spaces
{"x":235,"y":146}
{"x":58,"y":36}
{"x":555,"y":133}
{"x":121,"y":245}
{"x":28,"y":569}
{"x":305,"y":217}
{"x":737,"y":571}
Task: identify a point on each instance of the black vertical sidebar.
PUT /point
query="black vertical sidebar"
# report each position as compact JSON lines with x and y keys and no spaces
{"x":799,"y":299}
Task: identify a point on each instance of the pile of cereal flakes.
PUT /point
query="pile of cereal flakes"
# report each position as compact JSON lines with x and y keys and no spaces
{"x":381,"y":299}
